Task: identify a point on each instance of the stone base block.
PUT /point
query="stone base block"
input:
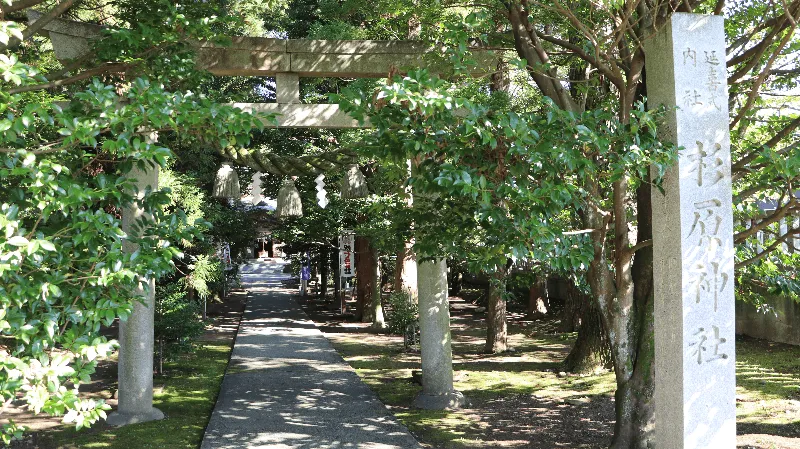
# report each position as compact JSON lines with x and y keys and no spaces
{"x":123,"y":419}
{"x":448,"y":401}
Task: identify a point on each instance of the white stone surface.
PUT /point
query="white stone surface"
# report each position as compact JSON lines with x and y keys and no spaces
{"x":135,"y":367}
{"x":287,"y":88}
{"x":304,"y":115}
{"x":435,"y":343}
{"x":258,"y":56}
{"x":693,"y":239}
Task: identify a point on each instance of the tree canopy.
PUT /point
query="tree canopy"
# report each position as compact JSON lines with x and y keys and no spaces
{"x":557,"y":170}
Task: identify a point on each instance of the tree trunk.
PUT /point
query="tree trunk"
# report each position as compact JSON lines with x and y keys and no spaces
{"x":338,"y":297}
{"x":575,"y":303}
{"x":160,"y":356}
{"x":635,"y":412}
{"x":405,"y":272}
{"x":496,"y":325}
{"x":398,"y":270}
{"x":537,"y":297}
{"x":626,"y":307}
{"x":376,"y":308}
{"x":456,"y":282}
{"x":323,"y":274}
{"x":613,"y":294}
{"x":591,"y":350}
{"x":364,"y":273}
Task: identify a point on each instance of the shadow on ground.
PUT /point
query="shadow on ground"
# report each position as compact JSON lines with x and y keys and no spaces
{"x":522,"y":400}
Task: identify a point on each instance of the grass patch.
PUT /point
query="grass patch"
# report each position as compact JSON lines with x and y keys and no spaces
{"x":441,"y":428}
{"x":768,"y":387}
{"x":186,"y":397}
{"x":533,"y":369}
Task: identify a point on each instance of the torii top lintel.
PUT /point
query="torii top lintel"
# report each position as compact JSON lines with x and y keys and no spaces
{"x":260,"y":56}
{"x":287,"y":60}
{"x":253,"y":56}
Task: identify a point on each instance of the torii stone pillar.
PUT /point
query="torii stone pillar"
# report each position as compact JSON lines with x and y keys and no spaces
{"x":135,"y":365}
{"x":436,"y":354}
{"x":695,"y":383}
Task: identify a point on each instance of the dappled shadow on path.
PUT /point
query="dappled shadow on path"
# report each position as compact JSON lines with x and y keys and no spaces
{"x":521,"y":399}
{"x":790,"y":430}
{"x":286,"y":387}
{"x":321,"y":414}
{"x":525,"y":421}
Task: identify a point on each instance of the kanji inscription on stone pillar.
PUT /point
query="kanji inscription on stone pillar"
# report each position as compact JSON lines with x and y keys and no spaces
{"x":695,"y":394}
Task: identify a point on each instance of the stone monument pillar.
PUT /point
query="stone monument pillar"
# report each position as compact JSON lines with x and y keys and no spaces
{"x":695,"y":393}
{"x":435,"y":351}
{"x":135,"y":364}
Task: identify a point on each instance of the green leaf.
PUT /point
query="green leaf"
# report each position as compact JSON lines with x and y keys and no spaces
{"x":18,"y":241}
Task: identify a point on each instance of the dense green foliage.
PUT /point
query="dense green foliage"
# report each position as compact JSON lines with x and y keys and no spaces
{"x":66,"y":179}
{"x":176,"y":325}
{"x":507,"y":174}
{"x":403,"y":315}
{"x":550,"y":172}
{"x":187,"y":396}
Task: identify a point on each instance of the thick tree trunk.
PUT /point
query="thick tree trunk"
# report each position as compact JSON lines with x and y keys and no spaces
{"x":365,"y":278}
{"x":575,"y":303}
{"x":591,"y":350}
{"x":405,"y":273}
{"x":627,"y":326}
{"x":626,"y":306}
{"x":635,"y":426}
{"x":496,"y":324}
{"x":635,"y":410}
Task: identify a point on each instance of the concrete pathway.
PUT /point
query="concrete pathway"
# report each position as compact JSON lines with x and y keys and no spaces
{"x":286,"y":387}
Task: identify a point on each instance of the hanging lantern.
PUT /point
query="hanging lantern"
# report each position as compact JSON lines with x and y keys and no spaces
{"x":226,"y":185}
{"x":354,"y":184}
{"x":289,"y":201}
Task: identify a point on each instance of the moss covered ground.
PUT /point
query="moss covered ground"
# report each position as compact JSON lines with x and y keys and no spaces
{"x":186,"y":393}
{"x":186,"y":397}
{"x":522,"y":399}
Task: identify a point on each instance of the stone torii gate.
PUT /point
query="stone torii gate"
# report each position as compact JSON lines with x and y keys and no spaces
{"x":693,"y":220}
{"x":288,"y":61}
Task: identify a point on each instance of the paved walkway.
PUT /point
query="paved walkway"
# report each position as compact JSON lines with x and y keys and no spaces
{"x":286,"y":387}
